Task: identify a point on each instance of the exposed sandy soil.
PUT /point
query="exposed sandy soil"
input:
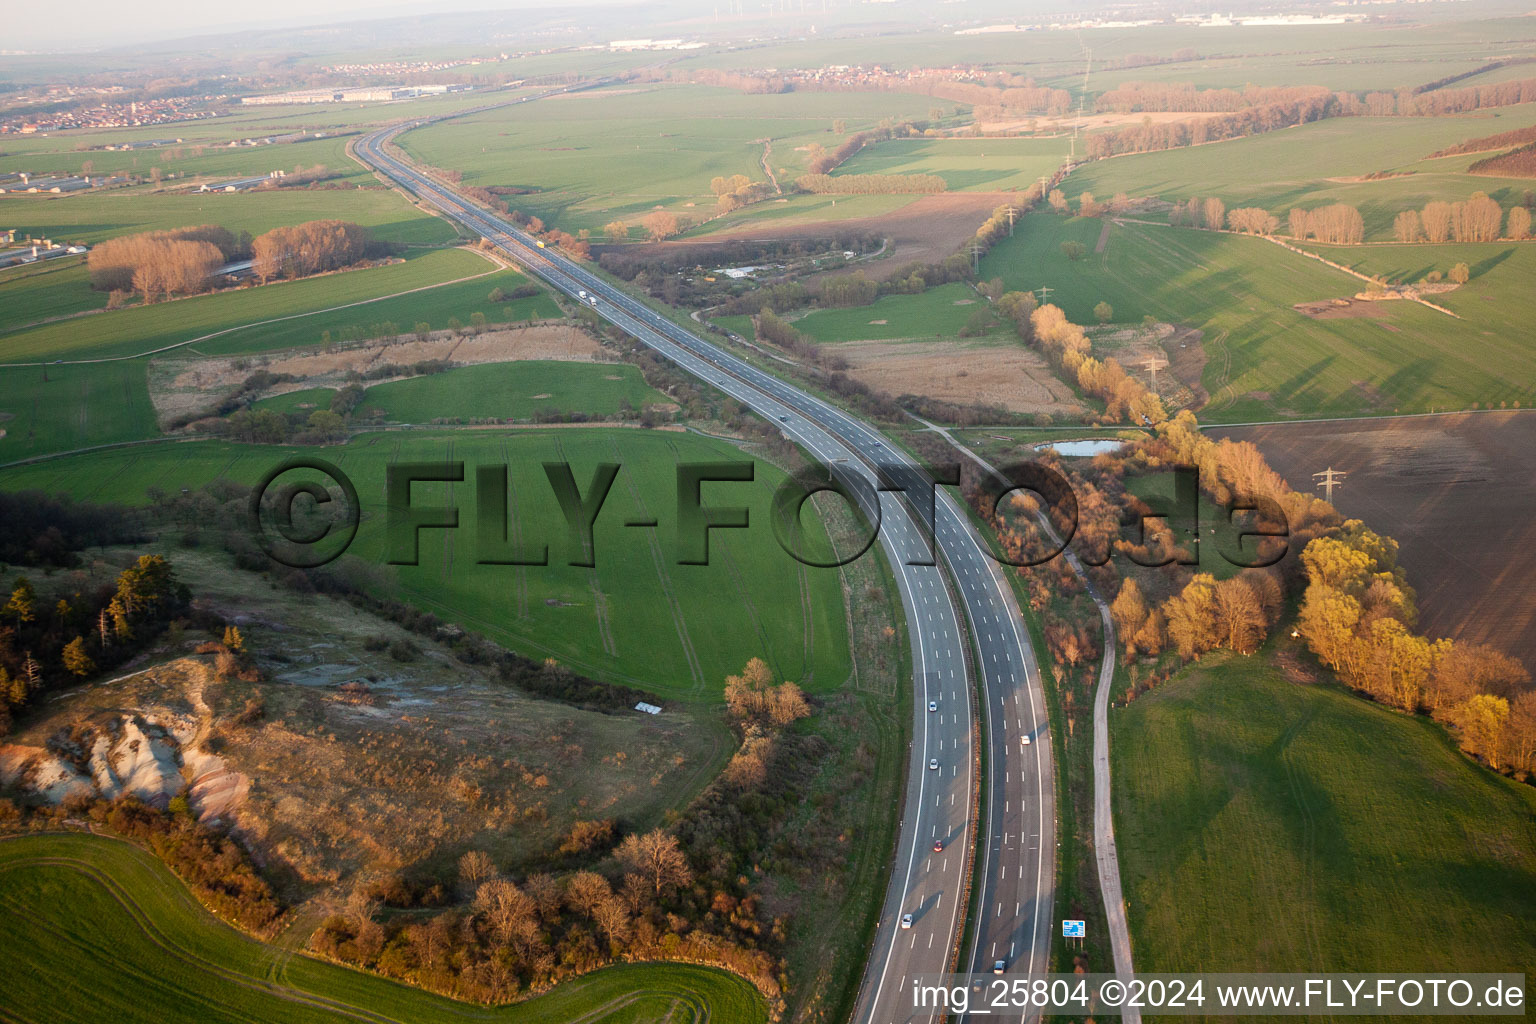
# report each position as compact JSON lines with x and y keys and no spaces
{"x":1011,"y":377}
{"x":1351,"y":308}
{"x":126,"y":744}
{"x":182,"y":385}
{"x":1178,"y":348}
{"x":1455,"y":491}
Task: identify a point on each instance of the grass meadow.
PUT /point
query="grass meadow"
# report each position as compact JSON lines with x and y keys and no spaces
{"x":638,"y":618}
{"x":93,"y":217}
{"x":43,"y":291}
{"x":500,"y":390}
{"x":98,"y":929}
{"x":1265,"y":359}
{"x":1266,"y":825}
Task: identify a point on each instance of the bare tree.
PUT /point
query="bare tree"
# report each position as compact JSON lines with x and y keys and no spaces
{"x":658,"y":857}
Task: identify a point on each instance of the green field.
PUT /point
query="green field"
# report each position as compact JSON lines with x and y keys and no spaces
{"x":1269,"y":826}
{"x":494,"y":390}
{"x":1264,"y":359}
{"x":61,"y":407}
{"x":58,"y":408}
{"x":640,"y":618}
{"x":976,"y":165}
{"x":595,"y":156}
{"x":44,"y":291}
{"x":99,"y":930}
{"x":195,"y":161}
{"x":145,"y":329}
{"x":936,"y":313}
{"x":1298,"y":167}
{"x":92,"y":217}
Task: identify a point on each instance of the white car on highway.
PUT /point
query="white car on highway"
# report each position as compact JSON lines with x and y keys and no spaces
{"x":906,"y":920}
{"x":933,"y":705}
{"x":933,"y":764}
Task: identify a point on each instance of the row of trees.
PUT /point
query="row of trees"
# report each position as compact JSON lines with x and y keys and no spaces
{"x":310,"y":248}
{"x":1236,"y":614}
{"x":1336,"y":223}
{"x":164,"y":263}
{"x":1357,"y":616}
{"x":1067,"y":346}
{"x":1478,"y":219}
{"x":1184,"y":97}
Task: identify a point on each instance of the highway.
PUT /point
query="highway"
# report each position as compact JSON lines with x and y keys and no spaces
{"x":996,"y":675}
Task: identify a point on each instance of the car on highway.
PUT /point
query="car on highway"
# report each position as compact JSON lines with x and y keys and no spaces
{"x":938,"y":846}
{"x":906,"y":920}
{"x":933,"y":764}
{"x":933,"y":705}
{"x":1023,"y":741}
{"x":998,"y":966}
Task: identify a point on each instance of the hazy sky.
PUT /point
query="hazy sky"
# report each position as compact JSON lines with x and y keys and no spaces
{"x":87,"y":24}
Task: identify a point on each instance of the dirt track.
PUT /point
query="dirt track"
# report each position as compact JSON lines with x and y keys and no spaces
{"x":1455,"y":491}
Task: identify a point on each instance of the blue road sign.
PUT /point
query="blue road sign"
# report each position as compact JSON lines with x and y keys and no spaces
{"x":1072,"y":929}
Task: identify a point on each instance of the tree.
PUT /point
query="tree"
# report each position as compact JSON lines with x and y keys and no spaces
{"x":1239,"y":615}
{"x":660,"y":224}
{"x":1213,"y":214}
{"x":1104,"y":312}
{"x":1058,"y":200}
{"x":1477,"y":220}
{"x":1129,"y":610}
{"x":326,"y":425}
{"x":503,"y":906}
{"x":1073,"y":250}
{"x":23,"y":602}
{"x":1460,"y":274}
{"x":477,"y":322}
{"x":585,"y":891}
{"x":1481,"y":723}
{"x":1088,"y":206}
{"x":423,"y":329}
{"x":617,"y":231}
{"x":476,"y":867}
{"x":1519,"y":223}
{"x":1192,"y":620}
{"x":657,"y":857}
{"x":1406,"y":226}
{"x":232,"y":638}
{"x":1436,"y":220}
{"x":76,"y":660}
